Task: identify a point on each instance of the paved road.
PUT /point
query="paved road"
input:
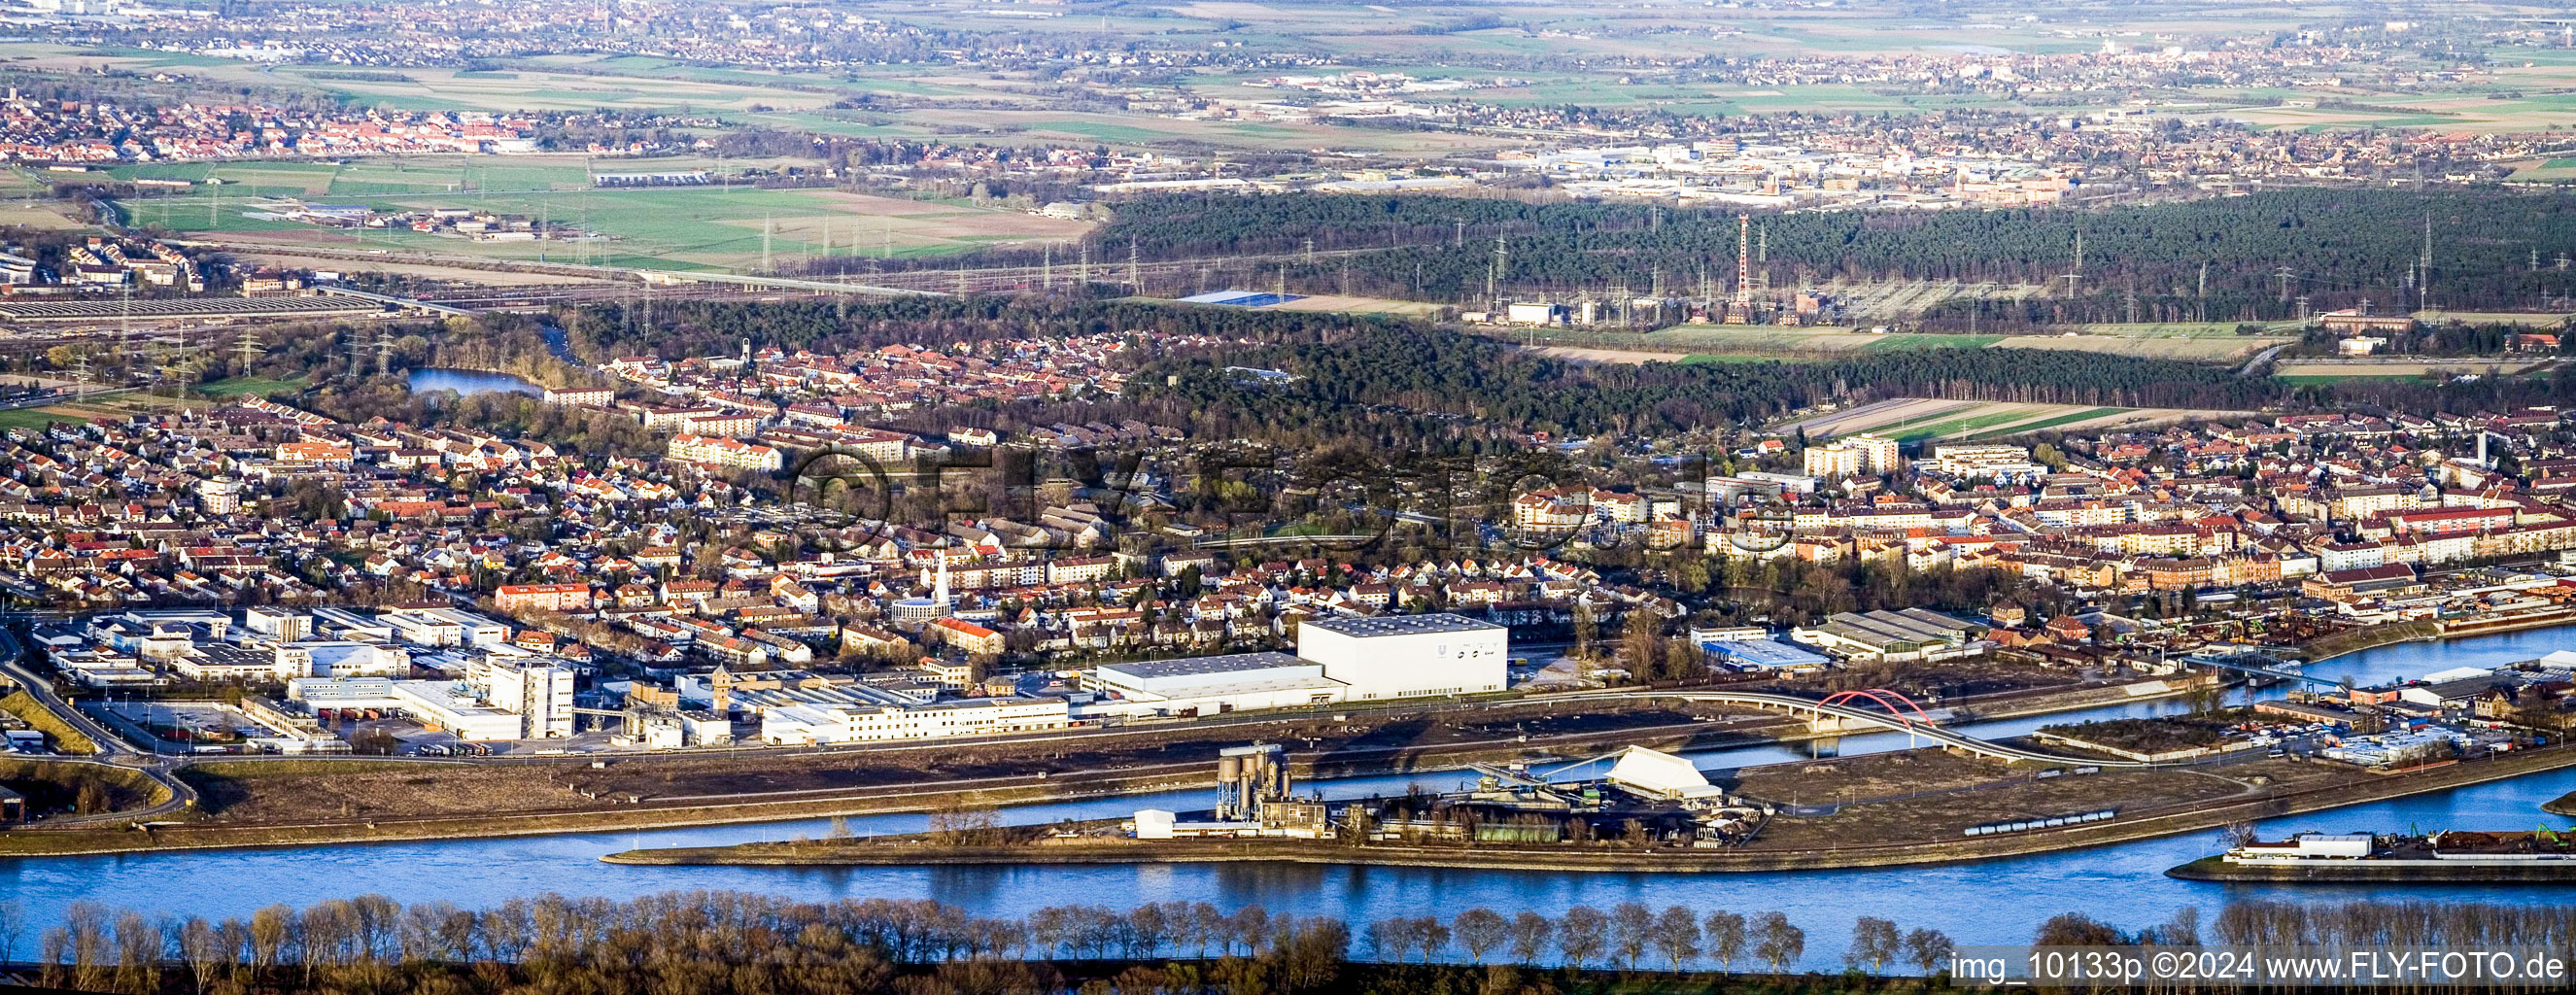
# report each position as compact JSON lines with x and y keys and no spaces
{"x":114,"y":751}
{"x":109,"y":744}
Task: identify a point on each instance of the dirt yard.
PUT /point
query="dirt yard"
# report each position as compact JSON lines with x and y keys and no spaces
{"x":1882,"y":799}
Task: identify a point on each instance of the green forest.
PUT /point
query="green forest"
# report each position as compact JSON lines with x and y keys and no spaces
{"x":2218,"y":259}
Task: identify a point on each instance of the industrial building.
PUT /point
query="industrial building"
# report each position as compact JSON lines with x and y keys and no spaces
{"x":1408,"y":656}
{"x":1338,"y":660}
{"x":444,"y":627}
{"x":1904,"y":634}
{"x":449,"y":706}
{"x":1643,"y":791}
{"x":1764,"y":655}
{"x":1210,"y":684}
{"x":850,"y":714}
{"x":500,"y":698}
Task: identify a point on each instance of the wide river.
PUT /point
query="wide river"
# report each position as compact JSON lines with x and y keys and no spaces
{"x":1999,"y":901}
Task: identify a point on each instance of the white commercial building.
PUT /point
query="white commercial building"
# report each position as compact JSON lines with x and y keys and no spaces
{"x":282,"y":624}
{"x":501,"y":697}
{"x":444,"y":627}
{"x":1984,"y":461}
{"x":539,"y":694}
{"x":1408,"y":656}
{"x":1204,"y":685}
{"x":818,"y":720}
{"x":340,"y":658}
{"x":450,"y":706}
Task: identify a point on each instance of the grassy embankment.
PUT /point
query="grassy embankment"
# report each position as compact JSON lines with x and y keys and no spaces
{"x":42,"y":719}
{"x":2328,"y":647}
{"x":80,"y":786}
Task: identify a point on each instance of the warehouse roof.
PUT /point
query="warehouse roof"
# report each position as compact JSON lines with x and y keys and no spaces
{"x":1397,"y":625}
{"x":1195,"y":665}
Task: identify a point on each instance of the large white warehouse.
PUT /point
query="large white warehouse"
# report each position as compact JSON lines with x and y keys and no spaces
{"x":1408,"y":656}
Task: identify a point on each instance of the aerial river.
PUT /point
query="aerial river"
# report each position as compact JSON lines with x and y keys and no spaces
{"x":1998,"y":901}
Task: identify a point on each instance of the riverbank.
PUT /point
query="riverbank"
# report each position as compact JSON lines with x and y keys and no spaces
{"x":2216,"y":868}
{"x":1609,"y":857}
{"x":2562,"y":805}
{"x":920,"y":794}
{"x":2352,"y":641}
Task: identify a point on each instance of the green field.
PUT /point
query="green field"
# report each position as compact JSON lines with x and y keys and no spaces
{"x":1706,"y":358}
{"x":250,"y":386}
{"x":1960,"y":425}
{"x":1912,"y":341}
{"x":2050,"y":422}
{"x":35,"y":418}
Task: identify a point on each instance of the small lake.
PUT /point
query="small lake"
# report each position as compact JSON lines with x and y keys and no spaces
{"x":467,"y":383}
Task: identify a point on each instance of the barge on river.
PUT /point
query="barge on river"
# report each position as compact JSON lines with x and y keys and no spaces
{"x":2539,"y":856}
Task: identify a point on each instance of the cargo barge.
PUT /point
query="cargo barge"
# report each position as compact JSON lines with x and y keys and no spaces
{"x":2538,"y":857}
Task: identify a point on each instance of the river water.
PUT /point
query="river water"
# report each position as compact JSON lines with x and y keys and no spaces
{"x":1999,"y":901}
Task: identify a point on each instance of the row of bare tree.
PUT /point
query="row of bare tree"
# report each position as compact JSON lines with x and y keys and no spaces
{"x":722,"y":941}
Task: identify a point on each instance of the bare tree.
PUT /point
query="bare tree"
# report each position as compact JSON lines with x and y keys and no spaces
{"x":204,"y":948}
{"x":1390,"y":937}
{"x":1580,"y":933}
{"x":1725,"y":933}
{"x":1529,"y":935}
{"x":1252,"y":927}
{"x":85,"y":926}
{"x":13,"y":924}
{"x":1874,"y":942}
{"x":1777,"y":942}
{"x":1677,"y":935}
{"x":1480,"y":930}
{"x":138,"y":953}
{"x":268,"y":936}
{"x":1928,"y":949}
{"x":1632,"y":929}
{"x":1431,"y":936}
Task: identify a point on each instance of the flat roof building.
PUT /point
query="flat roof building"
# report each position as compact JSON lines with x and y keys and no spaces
{"x":1210,"y":684}
{"x":1408,"y":656}
{"x":1908,"y":633}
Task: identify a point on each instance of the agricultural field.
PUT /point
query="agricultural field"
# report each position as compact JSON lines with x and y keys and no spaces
{"x":116,"y":405}
{"x":2526,"y":319}
{"x":2111,"y":339}
{"x":372,"y":177}
{"x":249,"y":386}
{"x":670,"y":228}
{"x":2326,"y":370}
{"x":1917,"y":420}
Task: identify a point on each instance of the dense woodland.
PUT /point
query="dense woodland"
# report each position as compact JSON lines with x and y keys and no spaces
{"x":2340,"y":246}
{"x":713,"y":943}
